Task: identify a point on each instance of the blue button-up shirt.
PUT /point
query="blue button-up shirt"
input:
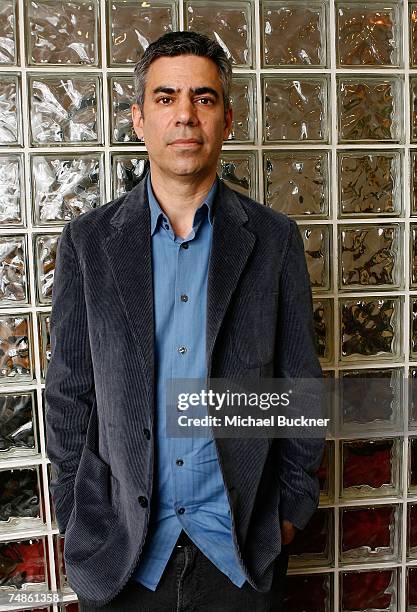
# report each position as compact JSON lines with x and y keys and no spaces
{"x":190,"y":494}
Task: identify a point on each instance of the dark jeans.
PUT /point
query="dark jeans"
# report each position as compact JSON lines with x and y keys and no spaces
{"x":192,"y":583}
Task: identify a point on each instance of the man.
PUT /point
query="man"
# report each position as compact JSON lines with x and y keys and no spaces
{"x":180,"y":278}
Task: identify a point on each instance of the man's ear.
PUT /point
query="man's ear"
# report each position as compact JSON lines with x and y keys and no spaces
{"x":228,"y":120}
{"x":137,"y":120}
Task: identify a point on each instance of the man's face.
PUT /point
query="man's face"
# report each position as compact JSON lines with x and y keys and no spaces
{"x":183,"y":122}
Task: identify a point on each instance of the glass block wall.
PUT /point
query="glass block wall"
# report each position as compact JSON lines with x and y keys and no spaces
{"x":325,"y":130}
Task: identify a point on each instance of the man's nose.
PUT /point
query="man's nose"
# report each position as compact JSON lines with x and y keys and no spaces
{"x":186,"y":112}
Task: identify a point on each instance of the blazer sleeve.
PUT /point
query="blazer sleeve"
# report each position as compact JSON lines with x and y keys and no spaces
{"x":69,"y":382}
{"x":296,"y":357}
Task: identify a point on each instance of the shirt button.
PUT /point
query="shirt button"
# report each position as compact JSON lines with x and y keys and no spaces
{"x":143,"y":501}
{"x":184,"y":298}
{"x":179,"y":462}
{"x":182,"y":350}
{"x":184,"y":245}
{"x":181,"y":510}
{"x":147,"y":433}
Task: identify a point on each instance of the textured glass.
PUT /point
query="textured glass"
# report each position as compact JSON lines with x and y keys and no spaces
{"x":413,"y":156}
{"x":10,"y":110}
{"x":122,"y":98}
{"x":412,"y":475}
{"x":370,"y":256}
{"x":294,"y":34}
{"x":369,"y":534}
{"x":62,"y":32}
{"x":413,"y":255}
{"x":413,"y":106}
{"x":65,"y":187}
{"x":368,"y":34}
{"x":312,"y":592}
{"x":17,"y":425}
{"x":325,"y":473}
{"x":370,"y":468}
{"x":373,"y":591}
{"x":11,"y":190}
{"x":412,"y":531}
{"x":369,"y":109}
{"x":230,"y":24}
{"x":370,"y":328}
{"x":23,"y":565}
{"x":313,"y":545}
{"x":134,"y":25}
{"x":295,"y":110}
{"x":13,"y":270}
{"x":127,"y":171}
{"x":65,"y":110}
{"x":45,"y":253}
{"x":316,"y":240}
{"x":323,"y":328}
{"x":370,"y":183}
{"x":413,"y":33}
{"x":239,"y":170}
{"x":297,"y":183}
{"x":62,"y":581}
{"x":411,"y":589}
{"x":412,"y":398}
{"x":413,"y":331}
{"x":15,"y":348}
{"x":242,"y":96}
{"x":20,"y":499}
{"x":8,"y":46}
{"x":44,"y":341}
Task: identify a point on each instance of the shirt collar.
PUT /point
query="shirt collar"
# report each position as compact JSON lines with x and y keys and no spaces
{"x":157,"y":212}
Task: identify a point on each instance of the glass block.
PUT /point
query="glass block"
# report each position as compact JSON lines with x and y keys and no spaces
{"x":413,"y":108}
{"x":12,"y":211}
{"x":61,"y":32}
{"x":65,"y":187}
{"x":370,"y":328}
{"x":239,"y":170}
{"x":127,"y":171}
{"x":411,"y":589}
{"x":297,"y":183}
{"x":44,"y":341}
{"x":8,"y":46}
{"x":370,"y":256}
{"x":18,"y":425}
{"x":65,"y":110}
{"x":411,"y":531}
{"x":61,"y":575}
{"x":122,"y":97}
{"x":413,"y":331}
{"x":313,"y":545}
{"x":10,"y":110}
{"x":368,"y":34}
{"x":325,"y":473}
{"x":323,"y":328}
{"x":369,"y":534}
{"x":312,"y":592}
{"x":229,"y":24}
{"x":294,"y":34}
{"x":317,"y":249}
{"x":16,"y":362}
{"x":370,"y":109}
{"x":370,"y":468}
{"x":133,"y":26}
{"x":375,"y":590}
{"x":242,"y":97}
{"x":295,"y":110}
{"x":370,"y":183}
{"x":413,"y":33}
{"x":24,"y":565}
{"x":45,"y":255}
{"x":14,"y":287}
{"x":412,"y":398}
{"x":20,"y":499}
{"x":412,"y":460}
{"x":413,"y":176}
{"x":69,"y":607}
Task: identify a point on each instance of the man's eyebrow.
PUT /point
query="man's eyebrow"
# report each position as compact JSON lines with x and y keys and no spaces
{"x":197,"y":90}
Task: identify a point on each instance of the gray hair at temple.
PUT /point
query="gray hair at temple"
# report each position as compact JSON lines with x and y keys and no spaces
{"x":183,"y":43}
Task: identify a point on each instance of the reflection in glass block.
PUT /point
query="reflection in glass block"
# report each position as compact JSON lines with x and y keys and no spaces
{"x":313,"y":545}
{"x":411,"y":589}
{"x":65,"y":110}
{"x":8,"y":46}
{"x":229,"y":24}
{"x":370,"y":468}
{"x":370,"y":327}
{"x":45,"y":253}
{"x":60,"y":564}
{"x":13,"y":274}
{"x":11,"y":189}
{"x":19,"y":499}
{"x":44,"y":341}
{"x":316,"y":240}
{"x":312,"y":592}
{"x":61,"y":32}
{"x":133,"y":26}
{"x":122,"y":98}
{"x":412,"y":454}
{"x":17,"y":425}
{"x":295,"y":110}
{"x":370,"y":183}
{"x":413,"y":33}
{"x":15,"y":348}
{"x":413,"y":156}
{"x":24,"y":565}
{"x":294,"y":34}
{"x":370,"y":256}
{"x":369,"y":590}
{"x":412,"y":531}
{"x":323,"y":328}
{"x":368,"y":35}
{"x":242,"y":97}
{"x":9,"y":110}
{"x":413,"y":320}
{"x":369,"y":534}
{"x":370,"y":109}
{"x":65,"y":187}
{"x":325,"y":473}
{"x":297,"y":183}
{"x":412,"y":397}
{"x":413,"y":108}
{"x":127,"y":171}
{"x":239,"y":171}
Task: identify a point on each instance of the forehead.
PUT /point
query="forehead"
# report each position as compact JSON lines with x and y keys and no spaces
{"x":183,"y":71}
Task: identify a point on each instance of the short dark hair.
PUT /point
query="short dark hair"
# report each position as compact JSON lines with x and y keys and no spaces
{"x":183,"y":43}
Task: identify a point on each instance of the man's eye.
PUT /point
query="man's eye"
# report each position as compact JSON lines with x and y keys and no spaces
{"x":205,"y":101}
{"x":164,"y":100}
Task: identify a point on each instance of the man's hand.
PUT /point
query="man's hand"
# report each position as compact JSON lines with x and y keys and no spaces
{"x":287,"y":531}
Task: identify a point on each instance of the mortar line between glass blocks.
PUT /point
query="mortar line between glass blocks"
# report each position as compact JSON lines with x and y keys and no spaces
{"x":257,"y":40}
{"x":106,"y":110}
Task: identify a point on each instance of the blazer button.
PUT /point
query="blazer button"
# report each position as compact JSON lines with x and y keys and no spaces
{"x":147,"y":433}
{"x":143,"y":501}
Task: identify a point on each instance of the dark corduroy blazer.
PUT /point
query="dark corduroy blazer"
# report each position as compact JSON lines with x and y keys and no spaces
{"x":99,"y":388}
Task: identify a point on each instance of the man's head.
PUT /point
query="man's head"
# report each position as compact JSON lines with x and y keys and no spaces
{"x":182,"y":109}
